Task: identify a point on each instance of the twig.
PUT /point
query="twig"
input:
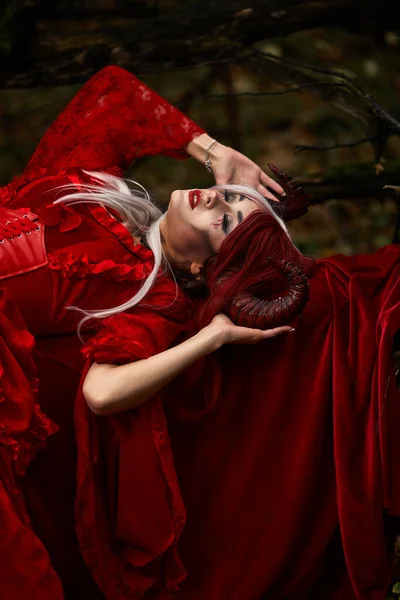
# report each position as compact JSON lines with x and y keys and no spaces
{"x":301,"y":147}
{"x":272,"y":93}
{"x":386,"y":124}
{"x":190,"y":96}
{"x":167,"y":68}
{"x":321,"y":70}
{"x":390,"y":124}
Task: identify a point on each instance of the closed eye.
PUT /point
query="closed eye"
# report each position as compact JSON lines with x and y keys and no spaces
{"x":229,"y":196}
{"x":225,"y":223}
{"x":226,"y":218}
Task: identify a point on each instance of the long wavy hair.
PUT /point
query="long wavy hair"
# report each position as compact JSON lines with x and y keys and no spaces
{"x":142,"y":217}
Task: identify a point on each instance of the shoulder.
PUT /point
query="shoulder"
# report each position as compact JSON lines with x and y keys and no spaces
{"x":165,"y":302}
{"x":167,"y":297}
{"x":163,"y":316}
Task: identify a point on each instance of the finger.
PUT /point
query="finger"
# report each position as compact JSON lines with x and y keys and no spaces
{"x":266,"y":193}
{"x":260,"y":334}
{"x":277,"y":331}
{"x":271,"y":183}
{"x":252,"y":330}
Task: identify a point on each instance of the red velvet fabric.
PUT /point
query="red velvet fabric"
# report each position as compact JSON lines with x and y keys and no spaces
{"x":91,"y":261}
{"x":284,"y":483}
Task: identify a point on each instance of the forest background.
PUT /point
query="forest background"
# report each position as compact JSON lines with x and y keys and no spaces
{"x":270,"y":78}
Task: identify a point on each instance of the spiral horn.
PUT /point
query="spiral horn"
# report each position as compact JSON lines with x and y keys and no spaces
{"x":250,"y":309}
{"x":296,"y":202}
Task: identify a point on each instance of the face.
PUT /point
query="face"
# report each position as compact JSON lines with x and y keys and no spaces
{"x":197,"y":222}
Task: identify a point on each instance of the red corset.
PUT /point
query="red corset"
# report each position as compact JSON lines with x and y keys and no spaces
{"x":21,"y":242}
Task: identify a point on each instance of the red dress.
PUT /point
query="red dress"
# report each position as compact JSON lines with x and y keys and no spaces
{"x":53,"y":257}
{"x":271,"y":486}
{"x":279,"y":490}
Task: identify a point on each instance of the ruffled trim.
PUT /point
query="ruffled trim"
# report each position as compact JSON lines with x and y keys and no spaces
{"x":79,"y":267}
{"x":23,"y":426}
{"x":114,"y":225}
{"x":23,"y":448}
{"x":52,"y":215}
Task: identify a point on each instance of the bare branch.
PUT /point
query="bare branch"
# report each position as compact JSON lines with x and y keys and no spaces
{"x":314,"y":68}
{"x":379,"y":123}
{"x":271,"y":93}
{"x":349,"y":181}
{"x":301,"y":147}
{"x":55,"y":44}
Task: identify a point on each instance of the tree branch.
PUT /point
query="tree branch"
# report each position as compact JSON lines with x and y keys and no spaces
{"x":301,"y":147}
{"x":351,"y":98}
{"x":54,"y":45}
{"x":358,"y":180}
{"x":271,"y":93}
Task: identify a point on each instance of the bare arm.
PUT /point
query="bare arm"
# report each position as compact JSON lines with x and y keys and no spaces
{"x":115,"y":388}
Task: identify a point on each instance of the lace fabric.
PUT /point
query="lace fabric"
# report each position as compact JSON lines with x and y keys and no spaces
{"x":112,"y":121}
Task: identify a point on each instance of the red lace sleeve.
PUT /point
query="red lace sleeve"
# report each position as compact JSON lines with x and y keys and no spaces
{"x":111,"y":121}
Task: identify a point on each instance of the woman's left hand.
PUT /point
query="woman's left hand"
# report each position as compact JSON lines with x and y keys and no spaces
{"x":230,"y":166}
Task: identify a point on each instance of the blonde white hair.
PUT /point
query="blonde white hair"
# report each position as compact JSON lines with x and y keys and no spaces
{"x":141,"y":217}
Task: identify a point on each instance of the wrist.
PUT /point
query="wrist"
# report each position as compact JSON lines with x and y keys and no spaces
{"x":212,"y":337}
{"x":198,"y":146}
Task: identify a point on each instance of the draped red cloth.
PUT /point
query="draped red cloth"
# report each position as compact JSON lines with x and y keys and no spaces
{"x":284,"y":482}
{"x":90,"y":260}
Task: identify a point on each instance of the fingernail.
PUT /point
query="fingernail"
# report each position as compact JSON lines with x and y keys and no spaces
{"x":283,"y":193}
{"x":290,"y":330}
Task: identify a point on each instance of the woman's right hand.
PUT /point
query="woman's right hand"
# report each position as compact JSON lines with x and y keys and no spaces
{"x":229,"y":333}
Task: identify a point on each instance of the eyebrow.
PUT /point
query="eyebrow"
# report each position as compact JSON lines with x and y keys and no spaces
{"x":240,"y":216}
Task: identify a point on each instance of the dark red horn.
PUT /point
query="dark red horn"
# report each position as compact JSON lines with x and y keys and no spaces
{"x":251,"y":309}
{"x":296,"y":202}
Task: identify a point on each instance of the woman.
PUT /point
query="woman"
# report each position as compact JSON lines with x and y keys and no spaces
{"x":269,"y":435}
{"x":51,"y":257}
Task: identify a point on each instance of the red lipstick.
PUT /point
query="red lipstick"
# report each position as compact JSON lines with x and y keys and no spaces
{"x":194,"y":198}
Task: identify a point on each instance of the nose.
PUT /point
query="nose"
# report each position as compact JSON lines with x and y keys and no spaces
{"x":211,"y":198}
